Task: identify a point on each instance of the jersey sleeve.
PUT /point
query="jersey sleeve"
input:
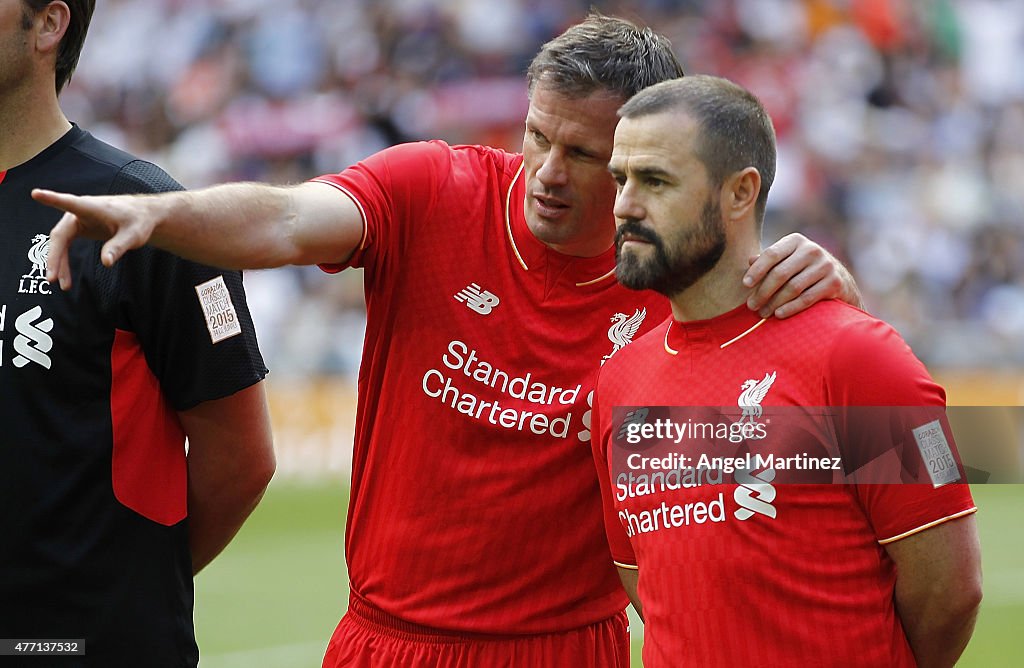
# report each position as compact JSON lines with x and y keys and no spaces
{"x":392,"y":190}
{"x":600,"y":443}
{"x":891,"y":414}
{"x":192,"y":321}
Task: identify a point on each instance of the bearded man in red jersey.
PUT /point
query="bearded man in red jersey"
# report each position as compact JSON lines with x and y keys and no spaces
{"x":738,"y":564}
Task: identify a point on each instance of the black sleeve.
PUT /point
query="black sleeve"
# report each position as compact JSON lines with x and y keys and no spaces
{"x":192,"y":320}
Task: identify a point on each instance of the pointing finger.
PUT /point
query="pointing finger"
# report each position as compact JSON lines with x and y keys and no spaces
{"x":60,"y":238}
{"x":50,"y":198}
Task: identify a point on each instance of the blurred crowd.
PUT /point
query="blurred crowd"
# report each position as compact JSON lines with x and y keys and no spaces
{"x":900,"y":124}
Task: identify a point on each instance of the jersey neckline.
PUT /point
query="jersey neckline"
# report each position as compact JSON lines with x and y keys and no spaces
{"x":13,"y":174}
{"x":531,"y":254}
{"x":719,"y":332}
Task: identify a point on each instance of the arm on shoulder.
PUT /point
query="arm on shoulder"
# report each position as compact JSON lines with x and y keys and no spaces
{"x":938,"y":589}
{"x":230,"y":464}
{"x":793,"y":274}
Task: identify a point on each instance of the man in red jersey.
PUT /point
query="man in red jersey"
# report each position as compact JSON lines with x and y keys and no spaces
{"x":474,"y":535}
{"x":728,"y":566}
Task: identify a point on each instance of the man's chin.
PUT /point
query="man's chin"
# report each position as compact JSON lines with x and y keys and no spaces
{"x":632,"y":276}
{"x":547,"y":230}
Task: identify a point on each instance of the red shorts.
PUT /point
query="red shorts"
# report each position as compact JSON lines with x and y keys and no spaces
{"x":370,"y":638}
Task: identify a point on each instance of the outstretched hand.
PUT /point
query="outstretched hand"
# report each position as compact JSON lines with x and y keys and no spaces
{"x":124,"y":222}
{"x":794,"y":273}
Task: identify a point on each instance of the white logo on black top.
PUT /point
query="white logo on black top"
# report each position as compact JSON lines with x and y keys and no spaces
{"x":33,"y":340}
{"x":752,"y":395}
{"x":755,"y":493}
{"x":34,"y":282}
{"x":623,"y":329}
{"x":481,"y":301}
{"x":218,"y":309}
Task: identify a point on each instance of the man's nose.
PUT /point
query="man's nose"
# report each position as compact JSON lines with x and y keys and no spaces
{"x":553,"y":171}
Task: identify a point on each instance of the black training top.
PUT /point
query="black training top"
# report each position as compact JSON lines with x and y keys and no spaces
{"x":93,"y":529}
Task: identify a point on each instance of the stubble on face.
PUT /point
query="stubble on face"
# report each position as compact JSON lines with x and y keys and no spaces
{"x":670,"y":266}
{"x":14,"y":48}
{"x":569,"y":195}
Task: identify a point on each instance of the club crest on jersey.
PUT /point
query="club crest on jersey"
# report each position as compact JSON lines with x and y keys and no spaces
{"x":34,"y":282}
{"x":477,"y":299}
{"x":622,"y":331}
{"x":753,"y":393}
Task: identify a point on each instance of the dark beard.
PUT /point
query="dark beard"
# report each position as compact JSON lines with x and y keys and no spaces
{"x":670,"y":271}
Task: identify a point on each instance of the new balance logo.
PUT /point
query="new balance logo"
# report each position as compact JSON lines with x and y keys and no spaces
{"x":755,"y":493}
{"x":481,"y":301}
{"x":638,"y":417}
{"x":33,"y":340}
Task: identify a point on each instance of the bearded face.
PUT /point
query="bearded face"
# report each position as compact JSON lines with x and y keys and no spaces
{"x":669,"y":263}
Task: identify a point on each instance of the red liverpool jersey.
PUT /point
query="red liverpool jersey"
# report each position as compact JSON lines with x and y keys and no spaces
{"x":475,"y":505}
{"x":741,"y":569}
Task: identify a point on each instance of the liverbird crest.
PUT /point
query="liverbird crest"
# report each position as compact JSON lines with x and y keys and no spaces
{"x":37,"y":256}
{"x":752,"y":395}
{"x":624,"y":328}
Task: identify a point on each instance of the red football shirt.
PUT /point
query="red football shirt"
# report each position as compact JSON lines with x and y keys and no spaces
{"x":752,"y":571}
{"x":475,"y":506}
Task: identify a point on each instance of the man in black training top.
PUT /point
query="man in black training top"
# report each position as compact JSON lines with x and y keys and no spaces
{"x":103,"y":519}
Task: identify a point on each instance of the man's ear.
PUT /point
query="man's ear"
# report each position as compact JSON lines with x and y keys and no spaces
{"x":50,"y":25}
{"x":739,"y":194}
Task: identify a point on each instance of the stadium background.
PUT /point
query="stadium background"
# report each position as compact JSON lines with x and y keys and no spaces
{"x":901,"y":135}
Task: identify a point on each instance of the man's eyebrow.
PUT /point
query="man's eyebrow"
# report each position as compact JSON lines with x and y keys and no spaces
{"x":643,"y":171}
{"x":647,"y":170}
